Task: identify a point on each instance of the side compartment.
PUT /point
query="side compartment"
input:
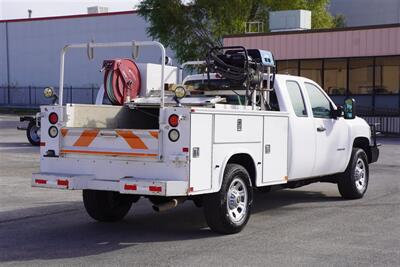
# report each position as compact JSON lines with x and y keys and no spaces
{"x":275,"y":150}
{"x":200,"y":151}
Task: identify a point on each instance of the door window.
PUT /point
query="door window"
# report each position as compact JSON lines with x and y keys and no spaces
{"x":321,"y":107}
{"x":297,"y":99}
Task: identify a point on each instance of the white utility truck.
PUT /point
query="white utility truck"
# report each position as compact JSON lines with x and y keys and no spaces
{"x":213,"y":140}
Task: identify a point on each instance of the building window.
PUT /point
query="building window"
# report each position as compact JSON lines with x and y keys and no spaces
{"x":311,"y":69}
{"x":361,"y":76}
{"x":387,"y":75}
{"x":335,"y":76}
{"x":288,"y":67}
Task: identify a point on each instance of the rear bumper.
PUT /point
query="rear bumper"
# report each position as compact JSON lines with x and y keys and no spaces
{"x":374,"y":153}
{"x":127,"y":185}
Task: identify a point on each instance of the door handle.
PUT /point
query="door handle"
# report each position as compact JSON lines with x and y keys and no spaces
{"x":321,"y":129}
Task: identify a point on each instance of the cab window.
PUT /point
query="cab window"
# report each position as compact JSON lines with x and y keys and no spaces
{"x":321,"y":107}
{"x":297,"y":99}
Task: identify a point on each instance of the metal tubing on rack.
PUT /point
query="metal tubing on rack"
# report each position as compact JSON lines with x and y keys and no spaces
{"x":108,"y":45}
{"x":188,"y":63}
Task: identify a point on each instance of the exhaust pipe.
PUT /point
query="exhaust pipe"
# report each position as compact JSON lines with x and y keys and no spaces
{"x":167,"y":205}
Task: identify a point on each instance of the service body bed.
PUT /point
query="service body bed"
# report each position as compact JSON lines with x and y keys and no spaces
{"x":91,"y":151}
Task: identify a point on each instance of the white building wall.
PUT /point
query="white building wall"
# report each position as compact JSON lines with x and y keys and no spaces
{"x":3,"y":55}
{"x":34,"y":48}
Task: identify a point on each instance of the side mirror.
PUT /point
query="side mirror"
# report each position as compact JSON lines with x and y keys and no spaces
{"x":337,"y":113}
{"x":349,"y":108}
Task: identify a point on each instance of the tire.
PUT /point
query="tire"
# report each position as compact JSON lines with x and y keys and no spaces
{"x":353,"y":183}
{"x":106,"y":206}
{"x":228,"y":211}
{"x":33,"y":133}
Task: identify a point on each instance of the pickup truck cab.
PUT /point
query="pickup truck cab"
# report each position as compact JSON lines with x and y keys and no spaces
{"x":210,"y":146}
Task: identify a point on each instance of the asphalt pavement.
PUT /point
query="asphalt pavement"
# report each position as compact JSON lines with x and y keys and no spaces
{"x":308,"y":226}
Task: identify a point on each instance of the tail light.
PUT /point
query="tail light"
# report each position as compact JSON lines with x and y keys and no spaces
{"x":173,"y":120}
{"x":53,"y":118}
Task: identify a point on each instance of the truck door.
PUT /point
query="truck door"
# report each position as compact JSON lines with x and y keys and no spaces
{"x":331,"y":134}
{"x":301,"y":134}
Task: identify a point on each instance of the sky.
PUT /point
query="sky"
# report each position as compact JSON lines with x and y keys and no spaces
{"x":16,"y":9}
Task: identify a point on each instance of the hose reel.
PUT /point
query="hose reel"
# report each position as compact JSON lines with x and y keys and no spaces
{"x":121,"y":80}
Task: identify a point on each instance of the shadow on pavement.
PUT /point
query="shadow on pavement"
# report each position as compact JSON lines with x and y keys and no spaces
{"x":65,"y":231}
{"x":25,"y":144}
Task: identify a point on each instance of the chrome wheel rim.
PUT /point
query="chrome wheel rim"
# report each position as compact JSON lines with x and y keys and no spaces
{"x":237,"y":200}
{"x":360,"y":175}
{"x":34,"y":133}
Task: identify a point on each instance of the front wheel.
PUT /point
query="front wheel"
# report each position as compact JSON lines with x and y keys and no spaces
{"x":228,"y":210}
{"x":353,"y":182}
{"x":106,"y":206}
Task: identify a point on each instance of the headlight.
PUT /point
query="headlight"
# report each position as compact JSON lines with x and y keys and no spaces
{"x":173,"y":135}
{"x":180,"y":92}
{"x":53,"y":131}
{"x":48,"y":92}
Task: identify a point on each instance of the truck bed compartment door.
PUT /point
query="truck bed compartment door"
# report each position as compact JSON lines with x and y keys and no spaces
{"x":200,"y":151}
{"x":275,"y":150}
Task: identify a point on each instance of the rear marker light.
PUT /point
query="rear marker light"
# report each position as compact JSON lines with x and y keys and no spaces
{"x":185,"y":149}
{"x":173,"y":120}
{"x":53,"y":118}
{"x":62,"y":182}
{"x":155,"y":188}
{"x":130,"y":187}
{"x":40,"y":181}
{"x":42,"y":143}
{"x":173,"y":135}
{"x":53,"y":131}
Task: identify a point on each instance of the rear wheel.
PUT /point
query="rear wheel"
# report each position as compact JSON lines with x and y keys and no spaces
{"x":228,"y":210}
{"x":353,"y":183}
{"x":106,"y":206}
{"x":33,"y":133}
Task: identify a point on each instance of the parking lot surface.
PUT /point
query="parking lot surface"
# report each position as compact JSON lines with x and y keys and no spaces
{"x":309,"y":226}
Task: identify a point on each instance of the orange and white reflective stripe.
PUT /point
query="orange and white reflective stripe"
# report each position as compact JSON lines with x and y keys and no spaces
{"x":121,"y":142}
{"x":132,"y":139}
{"x":86,"y":137}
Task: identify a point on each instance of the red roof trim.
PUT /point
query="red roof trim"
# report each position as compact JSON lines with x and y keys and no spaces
{"x":72,"y":16}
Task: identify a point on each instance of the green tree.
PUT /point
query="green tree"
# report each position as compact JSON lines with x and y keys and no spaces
{"x":191,"y":29}
{"x":339,"y":20}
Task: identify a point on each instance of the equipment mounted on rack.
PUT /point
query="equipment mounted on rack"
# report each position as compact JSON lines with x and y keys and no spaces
{"x":243,"y":67}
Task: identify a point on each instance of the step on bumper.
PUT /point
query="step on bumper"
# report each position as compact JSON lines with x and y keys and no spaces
{"x":127,"y":185}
